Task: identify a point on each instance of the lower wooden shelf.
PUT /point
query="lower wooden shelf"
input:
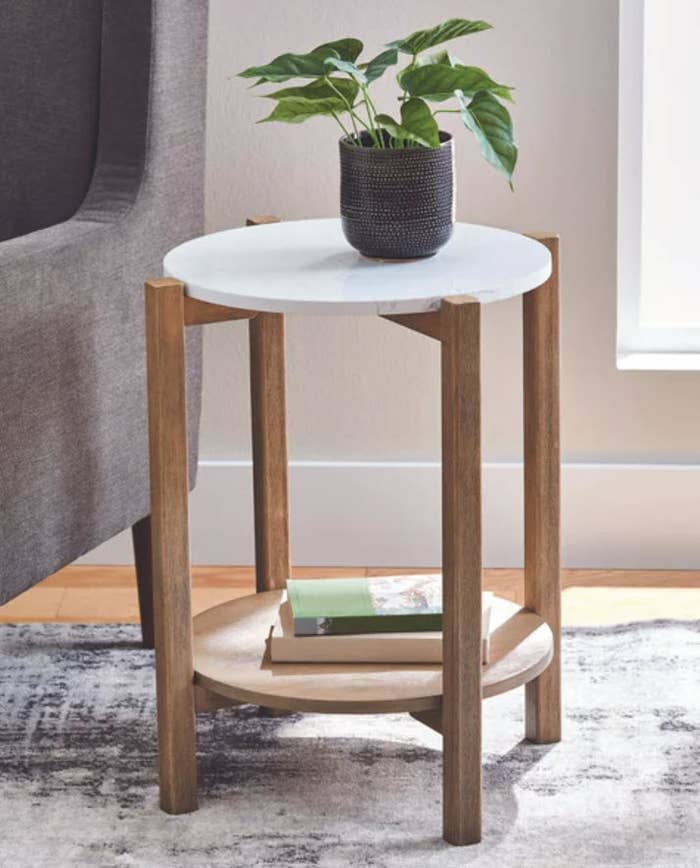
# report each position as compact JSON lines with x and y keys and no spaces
{"x":231,"y":660}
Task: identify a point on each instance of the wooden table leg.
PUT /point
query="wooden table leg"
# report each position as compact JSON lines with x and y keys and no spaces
{"x":167,"y":413}
{"x":269,"y":421}
{"x":541,"y":422}
{"x":461,"y":564}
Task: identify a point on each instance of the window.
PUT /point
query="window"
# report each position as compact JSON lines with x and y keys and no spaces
{"x":659,"y":186}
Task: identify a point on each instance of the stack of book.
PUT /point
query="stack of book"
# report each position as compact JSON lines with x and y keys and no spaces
{"x":390,"y":619}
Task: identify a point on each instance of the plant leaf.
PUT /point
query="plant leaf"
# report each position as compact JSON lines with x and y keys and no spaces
{"x":311,"y":65}
{"x":288,"y":66}
{"x":297,"y":109}
{"x":346,"y":49}
{"x":320,"y":89}
{"x":451,"y":29}
{"x":394,"y":128}
{"x":417,"y":124}
{"x":438,"y":82}
{"x":417,"y":118}
{"x":491,"y":124}
{"x":442,"y":57}
{"x":378,"y":65}
{"x":349,"y":67}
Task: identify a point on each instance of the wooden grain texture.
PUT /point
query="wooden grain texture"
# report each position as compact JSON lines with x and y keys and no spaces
{"x":541,"y":492}
{"x":261,"y":219}
{"x":521,"y":649}
{"x":461,"y":564}
{"x":199,"y":312}
{"x":40,"y":603}
{"x":268,"y":403}
{"x":87,"y":593}
{"x":231,"y":660}
{"x":143,"y":562}
{"x":427,"y":324}
{"x":205,"y":700}
{"x":167,"y":414}
{"x":432,"y":719}
{"x":501,"y":580}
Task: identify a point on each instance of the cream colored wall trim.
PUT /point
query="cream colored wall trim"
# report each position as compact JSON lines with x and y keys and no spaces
{"x":343,"y":513}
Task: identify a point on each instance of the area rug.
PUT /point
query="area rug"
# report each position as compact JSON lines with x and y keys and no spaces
{"x":78,"y":783}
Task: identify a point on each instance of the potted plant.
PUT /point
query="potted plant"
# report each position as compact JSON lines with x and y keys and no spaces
{"x":397,"y":178}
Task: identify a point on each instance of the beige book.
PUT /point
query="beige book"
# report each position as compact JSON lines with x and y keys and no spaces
{"x":417,"y":647}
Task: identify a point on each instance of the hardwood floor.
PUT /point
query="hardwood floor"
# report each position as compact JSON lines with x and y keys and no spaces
{"x":590,"y":597}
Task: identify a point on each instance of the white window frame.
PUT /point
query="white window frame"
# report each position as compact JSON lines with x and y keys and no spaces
{"x":639,"y":347}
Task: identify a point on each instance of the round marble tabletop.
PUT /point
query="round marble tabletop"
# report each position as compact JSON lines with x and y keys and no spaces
{"x":307,"y":266}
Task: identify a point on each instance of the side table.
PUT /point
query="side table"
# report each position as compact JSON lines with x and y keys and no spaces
{"x":260,"y":274}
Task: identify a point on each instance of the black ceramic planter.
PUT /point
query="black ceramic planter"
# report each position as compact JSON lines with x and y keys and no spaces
{"x":397,"y":203}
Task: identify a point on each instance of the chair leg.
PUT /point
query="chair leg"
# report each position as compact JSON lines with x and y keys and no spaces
{"x":141,"y":538}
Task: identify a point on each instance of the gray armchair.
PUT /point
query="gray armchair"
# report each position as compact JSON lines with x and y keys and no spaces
{"x":101,"y":172}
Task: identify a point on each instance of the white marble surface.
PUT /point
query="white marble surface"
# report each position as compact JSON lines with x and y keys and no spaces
{"x":307,"y":266}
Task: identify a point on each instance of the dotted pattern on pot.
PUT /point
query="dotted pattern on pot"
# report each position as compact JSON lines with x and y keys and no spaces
{"x":397,"y":203}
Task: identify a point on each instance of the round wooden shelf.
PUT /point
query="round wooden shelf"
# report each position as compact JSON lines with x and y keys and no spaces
{"x":232,"y":660}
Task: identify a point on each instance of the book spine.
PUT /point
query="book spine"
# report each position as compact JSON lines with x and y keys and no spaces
{"x":347,"y":625}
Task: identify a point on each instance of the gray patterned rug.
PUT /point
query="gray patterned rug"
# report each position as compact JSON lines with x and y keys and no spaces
{"x":78,"y":783}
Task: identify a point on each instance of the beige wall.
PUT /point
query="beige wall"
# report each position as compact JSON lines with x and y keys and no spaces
{"x":362,"y":389}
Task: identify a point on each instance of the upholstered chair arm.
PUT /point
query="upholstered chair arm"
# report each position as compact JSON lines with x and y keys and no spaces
{"x":73,"y":450}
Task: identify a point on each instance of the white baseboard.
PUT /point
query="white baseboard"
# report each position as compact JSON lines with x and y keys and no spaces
{"x":634,"y":516}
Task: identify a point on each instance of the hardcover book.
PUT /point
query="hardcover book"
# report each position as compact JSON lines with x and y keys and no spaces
{"x":385,"y":604}
{"x":422,"y":646}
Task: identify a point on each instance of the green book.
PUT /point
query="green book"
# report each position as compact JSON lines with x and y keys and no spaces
{"x":386,"y":604}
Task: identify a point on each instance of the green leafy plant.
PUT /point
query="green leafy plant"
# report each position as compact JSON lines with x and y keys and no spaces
{"x":339,"y":83}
